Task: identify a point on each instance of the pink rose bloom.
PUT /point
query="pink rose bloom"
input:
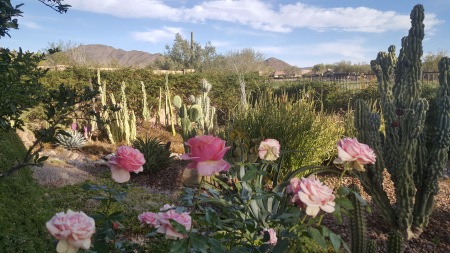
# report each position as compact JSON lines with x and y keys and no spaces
{"x":269,"y":150}
{"x":167,"y":229}
{"x":126,"y":160}
{"x":73,"y":230}
{"x":272,"y":236}
{"x":312,"y":195}
{"x":161,"y":221}
{"x":149,"y":218}
{"x":206,"y":155}
{"x":355,"y":153}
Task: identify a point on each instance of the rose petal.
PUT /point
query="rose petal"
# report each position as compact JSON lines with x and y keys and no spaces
{"x":119,"y":175}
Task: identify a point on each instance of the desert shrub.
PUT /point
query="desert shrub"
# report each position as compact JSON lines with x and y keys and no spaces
{"x":311,"y":135}
{"x":156,"y":154}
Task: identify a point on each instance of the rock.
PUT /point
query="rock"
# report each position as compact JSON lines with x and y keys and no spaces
{"x":26,"y":136}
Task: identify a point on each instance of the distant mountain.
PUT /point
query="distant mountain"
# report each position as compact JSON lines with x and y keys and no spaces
{"x":106,"y":56}
{"x":278,"y":65}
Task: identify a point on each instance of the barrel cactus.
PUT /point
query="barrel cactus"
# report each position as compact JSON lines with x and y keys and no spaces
{"x":402,"y":148}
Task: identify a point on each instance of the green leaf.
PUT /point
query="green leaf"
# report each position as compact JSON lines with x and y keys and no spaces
{"x":335,"y":241}
{"x":179,"y":246}
{"x":178,"y":227}
{"x":281,"y":246}
{"x":317,"y":237}
{"x":41,"y":159}
{"x":343,"y":191}
{"x":250,"y":175}
{"x":199,"y":243}
{"x":344,"y":202}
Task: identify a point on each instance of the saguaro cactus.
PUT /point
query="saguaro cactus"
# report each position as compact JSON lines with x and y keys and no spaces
{"x":402,"y":148}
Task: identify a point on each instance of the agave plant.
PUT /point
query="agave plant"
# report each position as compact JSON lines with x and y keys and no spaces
{"x":71,"y":139}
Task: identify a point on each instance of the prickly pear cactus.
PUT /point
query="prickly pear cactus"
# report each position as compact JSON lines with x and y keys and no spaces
{"x":401,"y":149}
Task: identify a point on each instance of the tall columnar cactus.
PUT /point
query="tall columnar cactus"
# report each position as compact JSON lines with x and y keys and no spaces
{"x":207,"y":121}
{"x":402,"y":148}
{"x":145,"y":111}
{"x":358,"y":224}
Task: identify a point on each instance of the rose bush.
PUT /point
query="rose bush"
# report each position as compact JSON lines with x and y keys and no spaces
{"x":72,"y":229}
{"x":126,"y":160}
{"x":311,"y":194}
{"x":206,"y":155}
{"x":356,"y":154}
{"x":269,"y":150}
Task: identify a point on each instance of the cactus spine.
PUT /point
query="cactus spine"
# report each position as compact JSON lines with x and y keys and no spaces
{"x":402,"y":150}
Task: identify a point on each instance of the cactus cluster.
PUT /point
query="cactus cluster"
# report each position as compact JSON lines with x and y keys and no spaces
{"x":402,"y":148}
{"x":71,"y":139}
{"x":199,"y":116}
{"x":120,"y":125}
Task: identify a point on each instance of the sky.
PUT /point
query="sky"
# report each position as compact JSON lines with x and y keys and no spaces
{"x":301,"y":33}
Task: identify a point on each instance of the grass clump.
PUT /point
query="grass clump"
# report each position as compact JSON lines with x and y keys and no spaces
{"x":311,"y":135}
{"x":156,"y":154}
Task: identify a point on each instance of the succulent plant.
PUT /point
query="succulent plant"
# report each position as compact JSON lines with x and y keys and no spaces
{"x":71,"y":139}
{"x":157,"y":155}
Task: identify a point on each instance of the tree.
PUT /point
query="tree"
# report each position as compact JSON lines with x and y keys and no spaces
{"x":186,"y":55}
{"x":19,"y":75}
{"x":431,"y":60}
{"x":65,"y":53}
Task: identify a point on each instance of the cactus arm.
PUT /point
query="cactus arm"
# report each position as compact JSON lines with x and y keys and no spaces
{"x":358,"y":225}
{"x":395,"y":242}
{"x":428,"y":186}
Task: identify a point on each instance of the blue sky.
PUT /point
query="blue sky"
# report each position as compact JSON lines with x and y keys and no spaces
{"x":301,"y":33}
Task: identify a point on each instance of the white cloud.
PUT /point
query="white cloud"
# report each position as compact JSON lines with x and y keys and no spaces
{"x":259,"y":15}
{"x":157,"y":35}
{"x":354,"y":50}
{"x":31,"y":25}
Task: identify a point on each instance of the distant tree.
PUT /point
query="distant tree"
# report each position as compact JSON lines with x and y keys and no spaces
{"x":430,"y":61}
{"x":186,"y":55}
{"x":244,"y":61}
{"x":347,"y":67}
{"x":319,"y":68}
{"x":65,"y":53}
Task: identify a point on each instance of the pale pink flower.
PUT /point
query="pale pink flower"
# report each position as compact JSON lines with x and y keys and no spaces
{"x":167,"y":229}
{"x":206,"y":155}
{"x":312,"y":195}
{"x":355,"y":153}
{"x":72,"y":229}
{"x":269,"y":150}
{"x":161,"y":221}
{"x":126,"y":160}
{"x":149,"y":218}
{"x":272,"y":235}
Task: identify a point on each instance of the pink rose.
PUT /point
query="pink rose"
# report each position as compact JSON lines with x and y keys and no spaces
{"x":269,"y":150}
{"x":73,"y":230}
{"x":126,"y":160}
{"x":311,"y":194}
{"x":162,"y":219}
{"x":206,"y":155}
{"x":355,"y":153}
{"x":272,"y":235}
{"x":167,"y":229}
{"x":149,"y":218}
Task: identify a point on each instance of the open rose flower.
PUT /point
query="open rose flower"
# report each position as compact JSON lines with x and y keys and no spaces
{"x":355,"y":153}
{"x":272,"y":235}
{"x":162,"y":219}
{"x":126,"y":160}
{"x":311,"y":194}
{"x":269,"y":150}
{"x":72,"y":229}
{"x":206,"y":155}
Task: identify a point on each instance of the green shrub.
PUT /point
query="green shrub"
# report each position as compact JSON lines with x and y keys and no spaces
{"x":157,"y":155}
{"x":295,"y":123}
